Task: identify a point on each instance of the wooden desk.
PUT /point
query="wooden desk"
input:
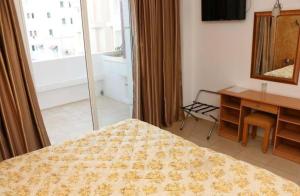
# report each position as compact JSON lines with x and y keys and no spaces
{"x":234,"y":106}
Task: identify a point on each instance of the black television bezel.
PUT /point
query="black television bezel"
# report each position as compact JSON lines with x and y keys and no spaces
{"x":206,"y":19}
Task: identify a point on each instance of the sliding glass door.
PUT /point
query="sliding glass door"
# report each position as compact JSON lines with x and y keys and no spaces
{"x":80,"y":52}
{"x":55,"y":41}
{"x":110,"y":37}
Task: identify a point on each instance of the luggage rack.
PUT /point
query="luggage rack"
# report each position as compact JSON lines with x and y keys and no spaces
{"x":201,"y":108}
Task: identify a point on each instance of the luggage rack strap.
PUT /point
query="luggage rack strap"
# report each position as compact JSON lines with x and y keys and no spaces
{"x":201,"y":108}
{"x":198,"y":107}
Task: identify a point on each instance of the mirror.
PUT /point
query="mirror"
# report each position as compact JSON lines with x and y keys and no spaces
{"x":275,"y":54}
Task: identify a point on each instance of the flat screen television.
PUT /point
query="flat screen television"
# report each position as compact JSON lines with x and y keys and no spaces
{"x":214,"y":10}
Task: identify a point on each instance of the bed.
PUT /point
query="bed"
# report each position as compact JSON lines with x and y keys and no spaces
{"x":285,"y":72}
{"x":135,"y":158}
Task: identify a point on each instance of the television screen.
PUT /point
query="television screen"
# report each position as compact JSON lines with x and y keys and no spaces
{"x":213,"y":10}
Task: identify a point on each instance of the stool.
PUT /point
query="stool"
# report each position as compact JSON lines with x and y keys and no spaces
{"x":262,"y":120}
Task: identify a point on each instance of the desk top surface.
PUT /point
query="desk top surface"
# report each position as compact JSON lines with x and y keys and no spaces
{"x":268,"y":98}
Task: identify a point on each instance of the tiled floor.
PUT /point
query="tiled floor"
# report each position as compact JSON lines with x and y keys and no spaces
{"x":74,"y":120}
{"x":197,"y":131}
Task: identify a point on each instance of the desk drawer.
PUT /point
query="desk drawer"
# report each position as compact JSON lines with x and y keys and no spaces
{"x":260,"y":106}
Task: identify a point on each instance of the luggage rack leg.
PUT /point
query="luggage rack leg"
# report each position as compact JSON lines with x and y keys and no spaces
{"x":212,"y":129}
{"x":182,"y":124}
{"x":211,"y":108}
{"x":188,"y":115}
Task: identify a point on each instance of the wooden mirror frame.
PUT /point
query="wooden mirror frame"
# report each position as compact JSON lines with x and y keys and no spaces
{"x":295,"y":78}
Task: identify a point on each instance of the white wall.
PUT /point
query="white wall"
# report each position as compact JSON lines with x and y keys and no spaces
{"x":64,"y":80}
{"x":216,"y":55}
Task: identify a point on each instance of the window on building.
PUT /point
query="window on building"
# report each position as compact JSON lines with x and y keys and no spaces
{"x":30,"y":33}
{"x":63,"y":21}
{"x":50,"y":32}
{"x":61,"y":4}
{"x":48,"y":15}
{"x":32,"y":15}
{"x":70,"y":5}
{"x":33,"y":48}
{"x":35,"y":33}
{"x":71,"y":20}
{"x":28,"y":15}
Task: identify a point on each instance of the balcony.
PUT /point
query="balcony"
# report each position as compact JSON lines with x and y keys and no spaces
{"x":62,"y":91}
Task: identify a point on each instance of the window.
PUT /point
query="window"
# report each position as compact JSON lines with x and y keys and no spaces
{"x":30,"y":33}
{"x":28,"y":15}
{"x":50,"y":32}
{"x":61,"y":4}
{"x":48,"y":15}
{"x":71,"y":20}
{"x":70,"y":5}
{"x":63,"y":21}
{"x":35,"y":33}
{"x":33,"y":48}
{"x":32,"y":15}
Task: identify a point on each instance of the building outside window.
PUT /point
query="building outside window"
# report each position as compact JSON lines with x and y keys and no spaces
{"x":68,"y":41}
{"x":104,"y":17}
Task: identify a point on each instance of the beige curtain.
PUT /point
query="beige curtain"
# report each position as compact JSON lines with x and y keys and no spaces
{"x":265,"y":45}
{"x":157,"y":61}
{"x":21,"y":125}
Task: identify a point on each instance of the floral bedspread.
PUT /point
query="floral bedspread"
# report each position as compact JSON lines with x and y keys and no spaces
{"x":285,"y":72}
{"x":135,"y":158}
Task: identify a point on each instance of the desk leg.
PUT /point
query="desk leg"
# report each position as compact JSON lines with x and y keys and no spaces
{"x":245,"y":134}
